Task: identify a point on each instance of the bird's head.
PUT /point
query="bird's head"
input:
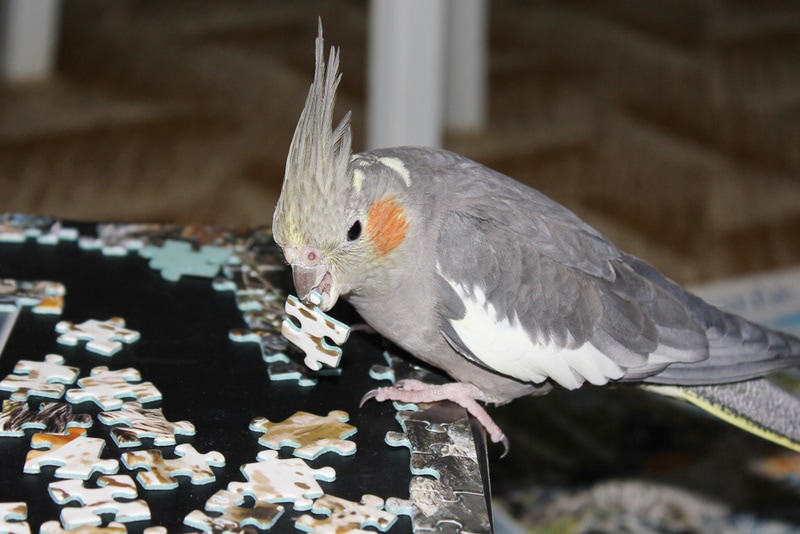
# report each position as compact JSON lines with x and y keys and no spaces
{"x":342,"y":221}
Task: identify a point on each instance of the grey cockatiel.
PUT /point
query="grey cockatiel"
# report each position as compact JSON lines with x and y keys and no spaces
{"x":501,"y":287}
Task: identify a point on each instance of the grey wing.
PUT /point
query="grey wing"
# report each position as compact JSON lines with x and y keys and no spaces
{"x":738,"y":349}
{"x":559,"y":301}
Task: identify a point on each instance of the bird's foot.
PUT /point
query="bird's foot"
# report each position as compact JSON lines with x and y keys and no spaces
{"x":461,"y":393}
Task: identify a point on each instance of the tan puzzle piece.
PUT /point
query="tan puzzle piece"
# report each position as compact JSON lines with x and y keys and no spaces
{"x":347,"y":516}
{"x":310,"y":435}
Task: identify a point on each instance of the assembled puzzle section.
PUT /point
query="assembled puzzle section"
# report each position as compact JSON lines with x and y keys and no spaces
{"x":42,"y":296}
{"x":447,"y":491}
{"x":19,"y":227}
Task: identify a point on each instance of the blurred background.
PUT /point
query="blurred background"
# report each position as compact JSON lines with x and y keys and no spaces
{"x":673,"y":127}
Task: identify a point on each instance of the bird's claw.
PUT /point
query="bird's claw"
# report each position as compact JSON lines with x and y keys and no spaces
{"x":416,"y":391}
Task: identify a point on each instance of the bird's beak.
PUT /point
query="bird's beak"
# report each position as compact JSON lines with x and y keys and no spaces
{"x":315,"y":278}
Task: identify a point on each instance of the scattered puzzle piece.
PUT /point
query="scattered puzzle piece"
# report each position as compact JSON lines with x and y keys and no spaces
{"x":310,"y":435}
{"x":282,"y":480}
{"x":75,"y":454}
{"x":52,"y":418}
{"x":347,"y":516}
{"x":12,"y":518}
{"x":108,"y":388}
{"x":233,"y":516}
{"x":177,"y":258}
{"x":103,"y":337}
{"x":44,"y":296}
{"x":309,"y":334}
{"x":45,"y":379}
{"x":160,"y":472}
{"x":103,"y":499}
{"x":141,"y":423}
{"x":54,"y":527}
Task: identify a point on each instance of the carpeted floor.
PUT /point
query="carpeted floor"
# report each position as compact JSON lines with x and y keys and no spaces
{"x":676,"y":131}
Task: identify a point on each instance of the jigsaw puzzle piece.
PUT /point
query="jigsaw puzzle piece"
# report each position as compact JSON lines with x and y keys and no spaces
{"x":48,"y":378}
{"x":104,"y":499}
{"x":75,"y":455}
{"x":12,"y":518}
{"x":431,"y":507}
{"x":177,"y":258}
{"x":347,"y":516}
{"x":310,"y":435}
{"x":52,"y":418}
{"x":102,"y":337}
{"x":107,"y":389}
{"x":233,"y":516}
{"x":310,"y":332}
{"x":43,"y":296}
{"x":161,"y":472}
{"x":137,"y":423}
{"x":54,"y":527}
{"x":276,"y":480}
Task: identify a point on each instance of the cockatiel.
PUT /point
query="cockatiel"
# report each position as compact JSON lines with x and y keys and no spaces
{"x":504,"y":289}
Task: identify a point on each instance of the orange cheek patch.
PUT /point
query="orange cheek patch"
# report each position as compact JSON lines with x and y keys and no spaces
{"x":386,"y":225}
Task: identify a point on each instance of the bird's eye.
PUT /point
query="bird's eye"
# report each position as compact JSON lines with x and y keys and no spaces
{"x":354,"y":232}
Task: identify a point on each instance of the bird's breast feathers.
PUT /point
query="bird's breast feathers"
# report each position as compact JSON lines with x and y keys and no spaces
{"x":502,"y":344}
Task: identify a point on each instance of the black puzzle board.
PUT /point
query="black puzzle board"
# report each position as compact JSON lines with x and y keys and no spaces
{"x":205,"y":378}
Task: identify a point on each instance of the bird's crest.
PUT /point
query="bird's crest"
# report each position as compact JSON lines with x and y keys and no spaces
{"x":318,"y":155}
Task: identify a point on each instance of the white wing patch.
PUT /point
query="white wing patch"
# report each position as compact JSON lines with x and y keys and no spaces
{"x":504,"y":345}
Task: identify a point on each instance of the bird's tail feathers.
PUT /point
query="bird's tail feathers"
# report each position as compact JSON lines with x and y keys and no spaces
{"x":757,"y":406}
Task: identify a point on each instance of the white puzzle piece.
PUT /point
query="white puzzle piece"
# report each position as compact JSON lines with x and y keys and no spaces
{"x":108,"y":389}
{"x":347,"y":516}
{"x":103,"y":337}
{"x":75,"y":454}
{"x":310,"y":331}
{"x":161,"y":472}
{"x":233,"y":516}
{"x":12,"y":518}
{"x":104,"y":499}
{"x":275,"y":480}
{"x":45,"y":379}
